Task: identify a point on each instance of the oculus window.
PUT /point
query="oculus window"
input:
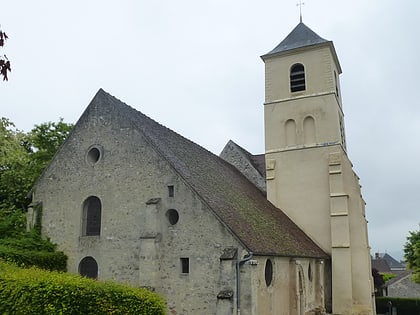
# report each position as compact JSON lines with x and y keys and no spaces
{"x":94,"y":154}
{"x":173,"y":216}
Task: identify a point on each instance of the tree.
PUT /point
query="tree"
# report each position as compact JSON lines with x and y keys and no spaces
{"x":412,"y":254}
{"x":14,"y":162}
{"x":23,"y":157}
{"x":4,"y":61}
{"x":44,"y":141}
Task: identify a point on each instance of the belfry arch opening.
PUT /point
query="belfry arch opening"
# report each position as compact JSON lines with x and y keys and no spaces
{"x":297,"y":78}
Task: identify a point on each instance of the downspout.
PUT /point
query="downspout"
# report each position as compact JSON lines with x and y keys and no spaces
{"x":239,"y":263}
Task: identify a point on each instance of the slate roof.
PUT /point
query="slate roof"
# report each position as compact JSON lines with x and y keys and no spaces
{"x":391,"y":261}
{"x":381,"y":265}
{"x":300,"y":36}
{"x":238,"y":204}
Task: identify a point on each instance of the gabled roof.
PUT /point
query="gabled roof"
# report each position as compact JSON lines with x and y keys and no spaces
{"x":235,"y":201}
{"x":300,"y":36}
{"x":391,"y":261}
{"x":251,"y":166}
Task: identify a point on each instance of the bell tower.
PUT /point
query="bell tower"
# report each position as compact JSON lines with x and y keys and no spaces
{"x":309,"y":175}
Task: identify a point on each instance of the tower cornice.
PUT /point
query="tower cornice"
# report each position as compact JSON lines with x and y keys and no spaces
{"x":298,"y":50}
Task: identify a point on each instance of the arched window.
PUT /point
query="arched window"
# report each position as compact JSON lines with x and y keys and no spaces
{"x":309,"y":131}
{"x":88,"y":267}
{"x":92,"y":209}
{"x":297,"y":78}
{"x":290,"y":131}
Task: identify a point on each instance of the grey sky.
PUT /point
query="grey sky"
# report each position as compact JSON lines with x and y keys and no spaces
{"x":194,"y":67}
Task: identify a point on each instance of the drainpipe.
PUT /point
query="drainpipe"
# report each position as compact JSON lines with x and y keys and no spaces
{"x":239,"y":263}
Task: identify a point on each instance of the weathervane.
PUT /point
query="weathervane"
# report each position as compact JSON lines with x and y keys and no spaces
{"x":300,"y":4}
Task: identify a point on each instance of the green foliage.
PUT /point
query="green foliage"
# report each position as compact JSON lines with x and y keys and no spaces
{"x":34,"y":291}
{"x":15,"y":182}
{"x":28,"y":241}
{"x":28,"y":249}
{"x":23,"y":157}
{"x":404,"y":306}
{"x":412,"y":254}
{"x":12,"y":224}
{"x":388,"y":276}
{"x":26,"y":258}
{"x":45,"y":139}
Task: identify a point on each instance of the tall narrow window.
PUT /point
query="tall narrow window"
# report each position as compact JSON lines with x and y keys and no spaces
{"x":171,"y":192}
{"x":336,"y":83}
{"x":92,"y":209}
{"x":88,"y":267}
{"x":185,"y":265}
{"x":268,"y":272}
{"x":297,"y":78}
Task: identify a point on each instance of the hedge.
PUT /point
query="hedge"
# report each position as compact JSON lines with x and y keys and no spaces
{"x":42,"y":259}
{"x":36,"y":291}
{"x":404,"y":306}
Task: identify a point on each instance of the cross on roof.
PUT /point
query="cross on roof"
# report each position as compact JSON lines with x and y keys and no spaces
{"x":300,"y":4}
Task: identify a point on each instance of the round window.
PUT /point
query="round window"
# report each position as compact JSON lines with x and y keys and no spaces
{"x":93,"y":155}
{"x":173,"y":216}
{"x":268,"y":272}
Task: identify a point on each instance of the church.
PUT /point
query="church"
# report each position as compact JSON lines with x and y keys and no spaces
{"x":283,"y":232}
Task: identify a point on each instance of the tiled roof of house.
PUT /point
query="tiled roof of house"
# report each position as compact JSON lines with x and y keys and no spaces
{"x":381,"y":265}
{"x":237,"y":203}
{"x":391,"y":261}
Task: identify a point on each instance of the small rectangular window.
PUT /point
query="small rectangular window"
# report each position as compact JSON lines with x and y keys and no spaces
{"x":185,"y":265}
{"x":171,"y":190}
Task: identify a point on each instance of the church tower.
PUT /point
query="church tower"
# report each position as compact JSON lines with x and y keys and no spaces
{"x":309,"y":175}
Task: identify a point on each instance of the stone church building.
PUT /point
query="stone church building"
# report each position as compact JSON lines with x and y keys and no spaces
{"x":284,"y":232}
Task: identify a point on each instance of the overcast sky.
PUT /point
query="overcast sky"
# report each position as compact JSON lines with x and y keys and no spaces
{"x":194,"y":66}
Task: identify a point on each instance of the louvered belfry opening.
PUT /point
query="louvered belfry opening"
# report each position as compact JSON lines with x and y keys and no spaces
{"x":297,"y":78}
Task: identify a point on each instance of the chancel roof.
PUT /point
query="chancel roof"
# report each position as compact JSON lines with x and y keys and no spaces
{"x":234,"y":200}
{"x":300,"y":36}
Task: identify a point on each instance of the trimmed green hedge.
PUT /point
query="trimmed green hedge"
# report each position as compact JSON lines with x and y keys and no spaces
{"x":42,"y":259}
{"x":404,"y":306}
{"x":35,"y":291}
